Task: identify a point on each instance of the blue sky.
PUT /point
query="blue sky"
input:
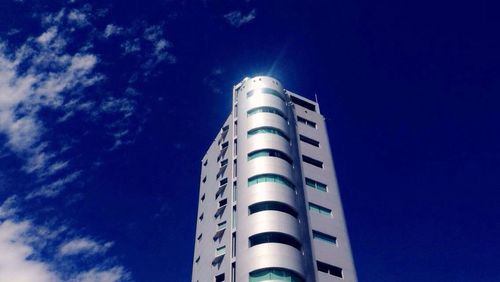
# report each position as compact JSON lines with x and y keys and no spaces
{"x":106,"y":108}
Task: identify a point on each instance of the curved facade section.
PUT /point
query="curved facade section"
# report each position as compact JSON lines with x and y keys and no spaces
{"x":267,"y":165}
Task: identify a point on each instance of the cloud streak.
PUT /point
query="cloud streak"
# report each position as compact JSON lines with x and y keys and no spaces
{"x":237,"y":18}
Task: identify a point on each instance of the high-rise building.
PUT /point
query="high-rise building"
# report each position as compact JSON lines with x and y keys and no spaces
{"x":269,"y":206}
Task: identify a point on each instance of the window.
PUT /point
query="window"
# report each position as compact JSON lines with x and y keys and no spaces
{"x":225,"y":128}
{"x":205,"y":163}
{"x":308,"y":140}
{"x":312,"y":161}
{"x":272,"y":206}
{"x":200,"y":236}
{"x":271,"y":130}
{"x":233,"y":272}
{"x":235,"y":188}
{"x":221,"y":226}
{"x":220,"y":251}
{"x":274,"y":237}
{"x":269,"y":153}
{"x":233,"y":222}
{"x":220,"y":278}
{"x":233,"y":244}
{"x":223,"y":182}
{"x":203,"y":197}
{"x":316,"y":185}
{"x":279,"y":274}
{"x":306,"y":122}
{"x":319,"y":209}
{"x":201,"y":217}
{"x":266,"y":110}
{"x":222,"y":203}
{"x":324,"y":237}
{"x":235,"y":168}
{"x":303,"y":103}
{"x":266,"y":91}
{"x":204,"y":179}
{"x":330,"y":269}
{"x":197,"y":259}
{"x":224,"y":162}
{"x":224,"y":145}
{"x":262,"y":178}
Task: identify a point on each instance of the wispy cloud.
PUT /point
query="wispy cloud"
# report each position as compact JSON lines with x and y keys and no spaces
{"x":26,"y":254}
{"x":237,"y":18}
{"x":83,"y":246}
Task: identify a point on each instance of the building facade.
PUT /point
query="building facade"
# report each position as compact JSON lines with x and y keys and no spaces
{"x":269,"y":206}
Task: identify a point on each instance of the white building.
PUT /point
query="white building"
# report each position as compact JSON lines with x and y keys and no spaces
{"x":269,"y":206}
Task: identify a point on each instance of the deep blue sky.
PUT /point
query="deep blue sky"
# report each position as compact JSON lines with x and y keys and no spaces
{"x":410,"y":92}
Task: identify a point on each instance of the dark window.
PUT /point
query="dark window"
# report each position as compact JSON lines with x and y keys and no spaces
{"x":274,"y":237}
{"x":203,"y":198}
{"x":306,"y":122}
{"x":220,"y":278}
{"x":309,"y":140}
{"x":303,"y":103}
{"x":205,"y":163}
{"x":201,"y":217}
{"x":223,"y":182}
{"x":312,"y":161}
{"x":330,"y":269}
{"x":225,"y":144}
{"x":269,"y":153}
{"x":222,"y":203}
{"x":272,"y":206}
{"x":204,"y":179}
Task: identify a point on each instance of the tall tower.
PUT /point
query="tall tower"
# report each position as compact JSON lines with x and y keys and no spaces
{"x":269,"y":206}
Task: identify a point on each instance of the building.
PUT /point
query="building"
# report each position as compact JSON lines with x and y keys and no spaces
{"x":269,"y":207}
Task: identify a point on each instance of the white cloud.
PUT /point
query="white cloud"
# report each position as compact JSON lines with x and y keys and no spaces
{"x":83,"y":246}
{"x":16,"y":255}
{"x":55,"y":188}
{"x":22,"y":244}
{"x":78,"y":17}
{"x":237,"y":19}
{"x":102,"y":275}
{"x":111,"y":30}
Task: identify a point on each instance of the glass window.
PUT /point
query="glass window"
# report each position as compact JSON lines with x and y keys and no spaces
{"x":316,"y":185}
{"x":272,"y":206}
{"x":306,"y":122}
{"x":303,"y":103}
{"x":221,"y":225}
{"x":308,"y":140}
{"x":269,"y":153}
{"x":319,"y":209}
{"x":279,"y":274}
{"x":270,"y":178}
{"x":330,"y":269}
{"x":274,"y":237}
{"x":324,"y":237}
{"x":271,"y":130}
{"x":312,"y":161}
{"x":266,"y":110}
{"x":220,"y":251}
{"x":266,"y":91}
